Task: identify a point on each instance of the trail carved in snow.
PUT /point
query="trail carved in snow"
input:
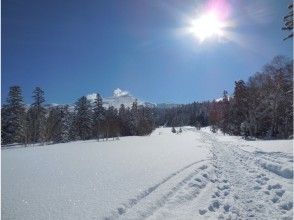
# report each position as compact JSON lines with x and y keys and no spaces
{"x":132,"y":202}
{"x":233,"y":184}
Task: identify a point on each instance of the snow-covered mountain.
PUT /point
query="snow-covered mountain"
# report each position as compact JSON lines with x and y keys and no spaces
{"x":120,"y":97}
{"x":123,"y":97}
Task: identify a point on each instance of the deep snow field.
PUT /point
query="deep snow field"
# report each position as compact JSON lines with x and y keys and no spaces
{"x":192,"y":175}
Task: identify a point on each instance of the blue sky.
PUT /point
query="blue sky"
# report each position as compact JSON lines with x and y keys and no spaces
{"x":73,"y":48}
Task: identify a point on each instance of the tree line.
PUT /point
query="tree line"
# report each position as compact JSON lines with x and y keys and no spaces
{"x":39,"y":123}
{"x":261,"y":107}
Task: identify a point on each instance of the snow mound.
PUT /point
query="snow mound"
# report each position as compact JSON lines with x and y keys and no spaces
{"x":282,"y":170}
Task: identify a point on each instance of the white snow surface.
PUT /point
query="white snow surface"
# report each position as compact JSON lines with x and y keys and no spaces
{"x":285,"y":146}
{"x":191,"y":175}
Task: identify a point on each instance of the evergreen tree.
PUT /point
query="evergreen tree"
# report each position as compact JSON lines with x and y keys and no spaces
{"x":202,"y":119}
{"x":240,"y":105}
{"x":98,"y":117}
{"x":112,"y":122}
{"x":13,"y":117}
{"x":6,"y":136}
{"x":57,"y":125}
{"x":124,"y":116}
{"x":145,"y":121}
{"x":65,"y":124}
{"x":83,"y":118}
{"x":134,"y":119}
{"x":214,"y":116}
{"x":73,"y":128}
{"x":29,"y":126}
{"x":225,"y":108}
{"x":53,"y":129}
{"x":38,"y":116}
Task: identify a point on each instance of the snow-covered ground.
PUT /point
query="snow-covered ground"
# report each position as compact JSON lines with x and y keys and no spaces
{"x":192,"y":175}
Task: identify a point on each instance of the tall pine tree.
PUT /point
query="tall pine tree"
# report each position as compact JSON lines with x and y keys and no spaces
{"x":98,"y":117}
{"x":38,"y":116}
{"x":83,"y":118}
{"x":13,"y":117}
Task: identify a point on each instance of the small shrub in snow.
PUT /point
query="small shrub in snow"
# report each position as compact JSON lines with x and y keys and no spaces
{"x":213,"y":129}
{"x":173,"y":130}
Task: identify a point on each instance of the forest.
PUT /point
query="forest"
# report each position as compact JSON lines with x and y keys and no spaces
{"x":261,"y":107}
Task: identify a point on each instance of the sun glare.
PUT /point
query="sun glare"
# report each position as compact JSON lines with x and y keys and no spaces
{"x":207,"y":26}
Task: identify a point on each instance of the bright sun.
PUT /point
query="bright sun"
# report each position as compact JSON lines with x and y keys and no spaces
{"x":206,"y":26}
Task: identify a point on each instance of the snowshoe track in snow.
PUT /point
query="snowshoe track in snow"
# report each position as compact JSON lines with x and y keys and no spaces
{"x":167,"y":188}
{"x":248,"y":189}
{"x":232,"y":184}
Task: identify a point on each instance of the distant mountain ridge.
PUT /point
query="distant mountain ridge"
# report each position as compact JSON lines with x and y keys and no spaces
{"x":124,"y":97}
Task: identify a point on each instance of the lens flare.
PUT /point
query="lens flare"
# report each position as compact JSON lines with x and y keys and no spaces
{"x":206,"y":26}
{"x":211,"y":22}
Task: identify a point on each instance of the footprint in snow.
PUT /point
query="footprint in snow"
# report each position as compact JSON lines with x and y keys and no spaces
{"x":217,"y":194}
{"x":276,"y":186}
{"x":200,"y":186}
{"x":226,"y":193}
{"x":203,"y":167}
{"x":223,"y":187}
{"x":257,"y":187}
{"x":261,"y":182}
{"x":198,"y":180}
{"x":227,"y":207}
{"x":266,"y":192}
{"x":202,"y":211}
{"x":280,"y":192}
{"x":212,"y":180}
{"x":287,"y":206}
{"x":121,"y":211}
{"x":249,"y":200}
{"x":275,"y":199}
{"x":214,"y":205}
{"x":205,"y":175}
